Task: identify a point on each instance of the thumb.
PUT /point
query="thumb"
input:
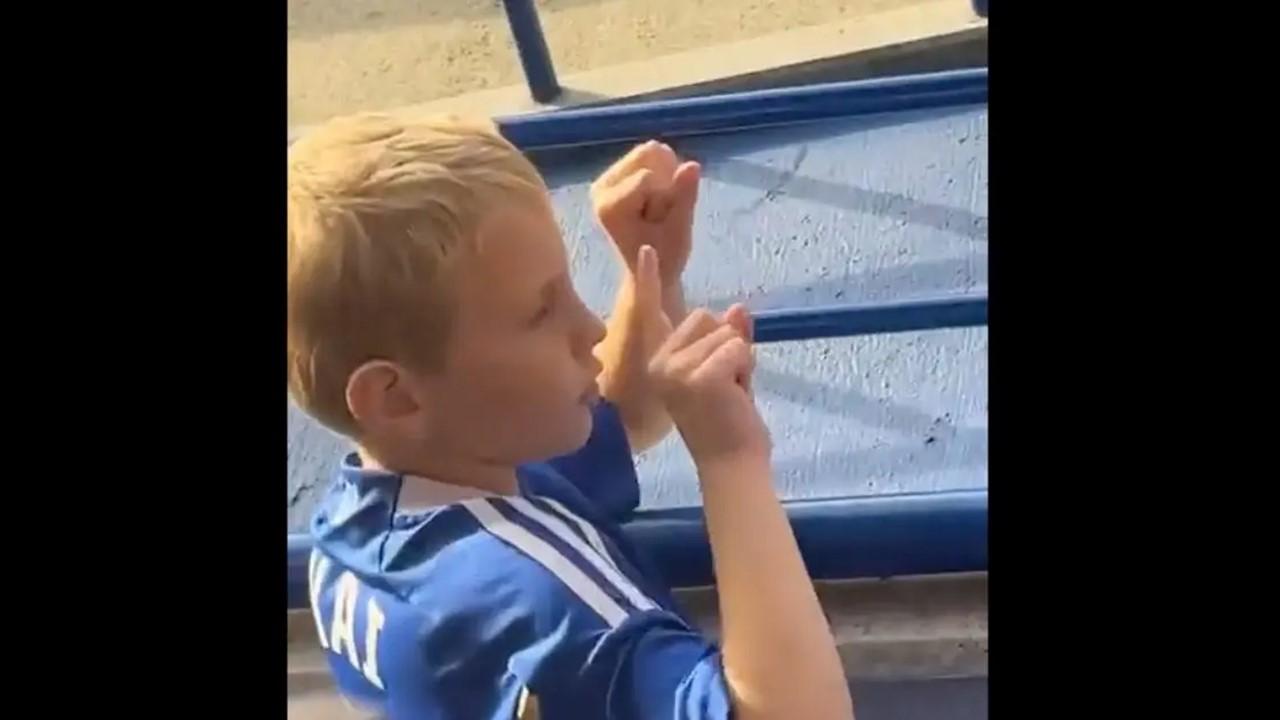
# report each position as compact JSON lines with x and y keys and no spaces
{"x":649,"y":293}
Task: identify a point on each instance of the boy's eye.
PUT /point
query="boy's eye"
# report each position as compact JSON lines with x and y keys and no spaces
{"x":542,"y":314}
{"x":552,"y":294}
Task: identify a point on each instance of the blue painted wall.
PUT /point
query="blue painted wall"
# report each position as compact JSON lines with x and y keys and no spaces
{"x":865,"y":209}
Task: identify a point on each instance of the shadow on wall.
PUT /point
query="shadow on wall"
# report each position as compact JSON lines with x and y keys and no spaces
{"x":867,"y":472}
{"x":952,"y":275}
{"x":850,"y":403}
{"x":775,"y":182}
{"x":576,"y":166}
{"x":925,"y":443}
{"x":837,"y":471}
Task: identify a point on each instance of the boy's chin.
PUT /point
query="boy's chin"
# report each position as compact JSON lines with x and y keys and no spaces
{"x":573,"y":439}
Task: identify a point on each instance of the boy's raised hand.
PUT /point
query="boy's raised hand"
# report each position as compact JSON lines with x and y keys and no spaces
{"x":702,"y":371}
{"x":647,"y":198}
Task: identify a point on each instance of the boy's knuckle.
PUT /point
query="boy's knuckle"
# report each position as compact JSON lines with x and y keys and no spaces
{"x":607,"y":208}
{"x":658,"y":368}
{"x":701,"y":316}
{"x":701,"y":379}
{"x":678,"y":369}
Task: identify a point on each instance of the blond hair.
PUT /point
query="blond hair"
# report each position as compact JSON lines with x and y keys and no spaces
{"x":378,"y":209}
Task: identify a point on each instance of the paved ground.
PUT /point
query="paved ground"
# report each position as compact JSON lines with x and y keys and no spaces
{"x":945,"y":699}
{"x":348,"y":55}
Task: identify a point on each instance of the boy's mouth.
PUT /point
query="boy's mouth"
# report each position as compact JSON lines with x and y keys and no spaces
{"x":591,"y":395}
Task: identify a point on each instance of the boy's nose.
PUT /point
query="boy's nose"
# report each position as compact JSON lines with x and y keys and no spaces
{"x":597,"y":329}
{"x":589,"y":329}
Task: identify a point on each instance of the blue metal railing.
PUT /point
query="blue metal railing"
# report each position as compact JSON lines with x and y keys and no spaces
{"x":628,"y":122}
{"x":531,"y":45}
{"x":861,"y":537}
{"x":848,"y":320}
{"x":576,"y":127}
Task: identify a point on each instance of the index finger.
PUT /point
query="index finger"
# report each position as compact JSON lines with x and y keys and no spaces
{"x":649,"y":293}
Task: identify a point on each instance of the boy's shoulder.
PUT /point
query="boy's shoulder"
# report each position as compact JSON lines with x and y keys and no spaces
{"x":416,"y":609}
{"x":362,"y":523}
{"x":464,"y":608}
{"x":456,"y":593}
{"x":545,"y":551}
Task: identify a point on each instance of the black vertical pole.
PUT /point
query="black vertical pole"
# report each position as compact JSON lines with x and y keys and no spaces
{"x":522,"y":15}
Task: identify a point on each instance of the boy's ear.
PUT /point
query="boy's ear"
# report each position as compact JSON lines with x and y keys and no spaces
{"x":380,"y":393}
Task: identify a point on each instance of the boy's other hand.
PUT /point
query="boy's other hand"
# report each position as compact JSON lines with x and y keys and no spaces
{"x":702,"y":370}
{"x":647,"y":198}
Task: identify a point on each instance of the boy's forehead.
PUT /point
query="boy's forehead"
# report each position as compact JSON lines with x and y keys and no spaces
{"x":519,"y":250}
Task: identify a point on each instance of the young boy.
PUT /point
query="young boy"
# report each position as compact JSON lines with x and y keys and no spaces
{"x":469,"y":563}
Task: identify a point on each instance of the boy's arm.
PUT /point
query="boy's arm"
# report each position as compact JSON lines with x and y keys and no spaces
{"x":629,"y":342}
{"x":780,"y":659}
{"x":645,"y":198}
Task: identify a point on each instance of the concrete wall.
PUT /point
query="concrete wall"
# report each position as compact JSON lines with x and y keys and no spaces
{"x":856,"y":210}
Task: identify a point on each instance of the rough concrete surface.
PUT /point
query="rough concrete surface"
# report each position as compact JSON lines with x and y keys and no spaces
{"x":348,"y":55}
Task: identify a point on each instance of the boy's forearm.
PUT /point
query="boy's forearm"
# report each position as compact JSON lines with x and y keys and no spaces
{"x":779,"y":656}
{"x":673,"y":303}
{"x":624,"y":353}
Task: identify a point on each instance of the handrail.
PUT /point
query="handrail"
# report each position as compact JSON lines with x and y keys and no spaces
{"x":626,"y":122}
{"x":870,"y":319}
{"x":856,"y":537}
{"x":643,"y":120}
{"x":531,"y":45}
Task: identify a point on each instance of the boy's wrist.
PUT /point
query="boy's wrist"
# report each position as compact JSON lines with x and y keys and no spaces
{"x":673,"y":301}
{"x":731,"y":466}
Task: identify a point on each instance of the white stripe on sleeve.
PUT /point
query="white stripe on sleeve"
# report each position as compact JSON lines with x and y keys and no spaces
{"x":593,"y":535}
{"x":602,"y":565}
{"x":547,"y":556}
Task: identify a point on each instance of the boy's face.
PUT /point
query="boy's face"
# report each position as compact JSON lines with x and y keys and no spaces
{"x":520,"y":377}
